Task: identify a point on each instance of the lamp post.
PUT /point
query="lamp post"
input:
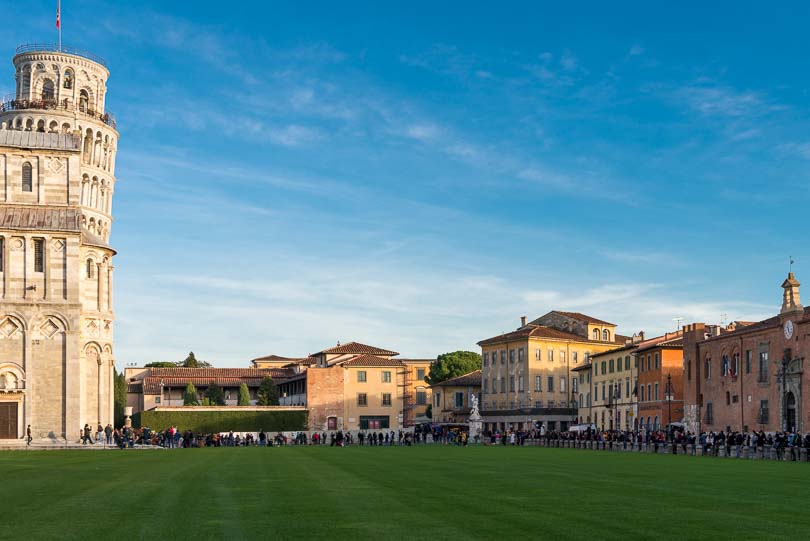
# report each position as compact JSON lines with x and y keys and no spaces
{"x":161,"y":390}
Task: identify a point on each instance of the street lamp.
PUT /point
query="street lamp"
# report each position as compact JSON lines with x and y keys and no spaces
{"x":161,"y":390}
{"x":669,"y":406}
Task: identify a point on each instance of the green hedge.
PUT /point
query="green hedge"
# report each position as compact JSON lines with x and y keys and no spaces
{"x":222,"y":421}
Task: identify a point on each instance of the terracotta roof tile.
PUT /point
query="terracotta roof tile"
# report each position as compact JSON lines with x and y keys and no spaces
{"x":202,"y":377}
{"x":584,"y":317}
{"x":471,"y":379}
{"x":369,"y":360}
{"x":357,"y":347}
{"x":541,"y":331}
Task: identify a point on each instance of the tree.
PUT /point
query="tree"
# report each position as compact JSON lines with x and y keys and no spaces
{"x":119,"y":397}
{"x":190,"y":396}
{"x":268,"y":392}
{"x":429,"y":411}
{"x":192,"y":362}
{"x":215,"y":395}
{"x":244,"y":395}
{"x":160,"y":364}
{"x":451,"y":365}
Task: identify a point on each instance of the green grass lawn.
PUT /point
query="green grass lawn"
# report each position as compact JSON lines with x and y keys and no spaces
{"x":392,"y":493}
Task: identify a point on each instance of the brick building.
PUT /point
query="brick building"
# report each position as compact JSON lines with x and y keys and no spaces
{"x":749,"y":376}
{"x":660,"y":381}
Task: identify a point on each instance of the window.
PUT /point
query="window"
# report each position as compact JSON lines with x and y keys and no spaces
{"x":459,"y":400}
{"x":90,"y":266}
{"x":494,"y":385}
{"x":486,"y":359}
{"x":550,"y":384}
{"x":420,"y":374}
{"x":386,"y":399}
{"x":538,"y":381}
{"x":588,"y":399}
{"x":707,"y":369}
{"x":606,"y":335}
{"x":627,"y":363}
{"x":763,"y":412}
{"x":84,"y":100}
{"x":511,"y":356}
{"x":39,"y":255}
{"x":362,"y":399}
{"x":735,"y":365}
{"x":520,"y":384}
{"x":437,"y":398}
{"x":520,"y":354}
{"x":763,"y":366}
{"x":604,"y":367}
{"x":642,"y":393}
{"x":596,"y":334}
{"x":562,"y":356}
{"x":361,"y":376}
{"x":551,"y":355}
{"x":503,"y":385}
{"x":562,"y":384}
{"x":47,"y":90}
{"x":604,"y":392}
{"x":728,"y":398}
{"x":748,"y":361}
{"x":574,"y":357}
{"x":2,"y":253}
{"x":511,"y":384}
{"x":709,"y":413}
{"x":618,"y":391}
{"x":421,"y":398}
{"x":649,"y":392}
{"x":627,"y":387}
{"x":574,"y":385}
{"x":537,"y":354}
{"x":386,"y":376}
{"x":68,"y":81}
{"x":656,"y":391}
{"x":503,"y":357}
{"x":657,"y":361}
{"x":635,"y":363}
{"x":649,"y":366}
{"x":27,"y":178}
{"x":724,"y":364}
{"x":611,"y":366}
{"x":619,"y":364}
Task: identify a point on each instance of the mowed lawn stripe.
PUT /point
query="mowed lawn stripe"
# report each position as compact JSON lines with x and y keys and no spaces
{"x":398,"y":493}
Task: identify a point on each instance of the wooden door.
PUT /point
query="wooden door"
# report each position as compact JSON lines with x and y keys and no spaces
{"x":8,"y":420}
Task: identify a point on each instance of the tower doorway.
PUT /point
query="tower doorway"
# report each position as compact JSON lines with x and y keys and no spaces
{"x":8,"y":420}
{"x":790,"y":411}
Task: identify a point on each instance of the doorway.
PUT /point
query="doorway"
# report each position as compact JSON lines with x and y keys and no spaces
{"x":8,"y":420}
{"x":791,"y":411}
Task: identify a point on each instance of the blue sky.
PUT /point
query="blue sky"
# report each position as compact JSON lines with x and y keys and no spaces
{"x":418,"y":177}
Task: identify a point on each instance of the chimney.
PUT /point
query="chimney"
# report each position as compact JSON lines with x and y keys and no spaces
{"x":522,"y":321}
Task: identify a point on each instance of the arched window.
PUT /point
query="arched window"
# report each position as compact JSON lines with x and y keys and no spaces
{"x":606,"y":335}
{"x":84,"y":101}
{"x":596,"y":334}
{"x":48,"y":93}
{"x":27,"y":182}
{"x":68,"y":83}
{"x":90,"y":265}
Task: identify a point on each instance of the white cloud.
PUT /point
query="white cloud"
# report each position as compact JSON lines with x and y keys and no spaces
{"x":636,"y":50}
{"x":293,"y":135}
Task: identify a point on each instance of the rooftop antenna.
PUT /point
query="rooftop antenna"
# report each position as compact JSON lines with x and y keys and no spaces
{"x":678,"y":322}
{"x":59,"y":22}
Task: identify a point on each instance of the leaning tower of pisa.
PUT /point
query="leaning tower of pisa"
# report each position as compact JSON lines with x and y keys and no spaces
{"x":57,"y":162}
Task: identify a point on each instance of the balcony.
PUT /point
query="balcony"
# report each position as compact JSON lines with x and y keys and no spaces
{"x":54,"y":48}
{"x":9,"y":103}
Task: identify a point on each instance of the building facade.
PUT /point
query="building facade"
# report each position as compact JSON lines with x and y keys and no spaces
{"x":527,"y":375}
{"x":750,"y":375}
{"x":452,"y":398}
{"x":660,"y":382}
{"x":57,"y":165}
{"x":613,"y":377}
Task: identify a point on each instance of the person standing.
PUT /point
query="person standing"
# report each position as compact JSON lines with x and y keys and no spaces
{"x":108,"y":431}
{"x":28,"y":437}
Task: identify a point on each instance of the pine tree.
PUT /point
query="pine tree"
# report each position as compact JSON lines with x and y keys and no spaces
{"x":244,"y":395}
{"x":215,"y":395}
{"x":190,"y":396}
{"x":268,"y":392}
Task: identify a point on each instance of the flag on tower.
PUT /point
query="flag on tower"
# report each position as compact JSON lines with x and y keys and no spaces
{"x":58,"y":14}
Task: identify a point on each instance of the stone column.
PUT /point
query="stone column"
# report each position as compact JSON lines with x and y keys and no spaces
{"x":111,"y":390}
{"x":100,"y":388}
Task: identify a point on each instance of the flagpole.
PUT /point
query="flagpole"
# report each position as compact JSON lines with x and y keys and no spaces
{"x":59,"y":22}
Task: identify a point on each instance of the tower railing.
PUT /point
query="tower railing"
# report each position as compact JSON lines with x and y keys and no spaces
{"x":10,"y":103}
{"x":54,"y":48}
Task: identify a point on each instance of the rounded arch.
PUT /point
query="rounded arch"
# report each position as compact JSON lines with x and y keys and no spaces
{"x":66,"y":128}
{"x":606,"y":335}
{"x":67,"y":79}
{"x":56,"y":318}
{"x":595,"y":334}
{"x":12,"y":376}
{"x":48,"y":90}
{"x":90,"y":268}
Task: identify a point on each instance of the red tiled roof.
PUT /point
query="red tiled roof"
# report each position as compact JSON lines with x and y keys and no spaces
{"x":278,"y":358}
{"x":584,"y":317}
{"x":541,"y":331}
{"x":357,"y":347}
{"x":370,"y":360}
{"x":471,"y":379}
{"x":202,"y":377}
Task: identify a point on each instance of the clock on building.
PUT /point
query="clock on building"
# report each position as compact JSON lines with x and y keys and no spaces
{"x":788,"y":329}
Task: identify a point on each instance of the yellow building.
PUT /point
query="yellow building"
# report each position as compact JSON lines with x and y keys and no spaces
{"x":354,"y":386}
{"x":613,"y":378}
{"x":527,"y":374}
{"x":451,"y":398}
